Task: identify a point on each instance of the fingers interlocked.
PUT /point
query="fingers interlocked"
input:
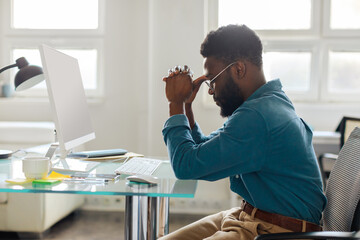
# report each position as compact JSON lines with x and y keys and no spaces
{"x":179,"y":69}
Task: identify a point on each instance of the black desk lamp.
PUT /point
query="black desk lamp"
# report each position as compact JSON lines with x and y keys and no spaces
{"x":27,"y":76}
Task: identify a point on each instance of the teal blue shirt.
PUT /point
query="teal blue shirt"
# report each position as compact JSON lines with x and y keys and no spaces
{"x":264,"y":148}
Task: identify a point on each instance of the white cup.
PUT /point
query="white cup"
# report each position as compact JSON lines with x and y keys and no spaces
{"x":36,"y":167}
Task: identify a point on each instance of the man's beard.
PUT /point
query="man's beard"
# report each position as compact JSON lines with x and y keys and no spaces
{"x":229,"y":99}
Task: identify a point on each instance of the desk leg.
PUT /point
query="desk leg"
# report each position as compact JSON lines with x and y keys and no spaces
{"x":152,"y":217}
{"x":146,"y":217}
{"x":129,"y":215}
{"x":163,"y":228}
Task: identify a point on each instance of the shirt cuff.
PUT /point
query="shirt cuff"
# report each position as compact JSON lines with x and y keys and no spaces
{"x":177,"y":120}
{"x":196,"y":129}
{"x":196,"y":133}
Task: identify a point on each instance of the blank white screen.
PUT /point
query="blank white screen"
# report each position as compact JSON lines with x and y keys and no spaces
{"x":67,"y":98}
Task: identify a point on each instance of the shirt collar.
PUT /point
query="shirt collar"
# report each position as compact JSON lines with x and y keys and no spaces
{"x":273,"y":85}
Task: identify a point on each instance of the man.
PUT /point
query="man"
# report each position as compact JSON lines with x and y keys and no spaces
{"x":264,"y":147}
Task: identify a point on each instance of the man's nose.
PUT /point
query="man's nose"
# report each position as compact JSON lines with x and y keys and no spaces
{"x":210,"y":91}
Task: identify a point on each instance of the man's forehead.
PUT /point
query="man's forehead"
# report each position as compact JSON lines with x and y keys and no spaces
{"x":205,"y":70}
{"x":209,"y":64}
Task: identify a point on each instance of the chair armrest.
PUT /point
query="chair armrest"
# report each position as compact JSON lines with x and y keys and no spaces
{"x":329,"y":156}
{"x":310,"y":235}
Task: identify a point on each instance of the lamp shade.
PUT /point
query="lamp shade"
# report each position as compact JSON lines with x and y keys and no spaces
{"x":28,"y":75}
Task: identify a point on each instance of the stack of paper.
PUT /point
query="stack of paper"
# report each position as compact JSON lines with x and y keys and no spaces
{"x":115,"y":158}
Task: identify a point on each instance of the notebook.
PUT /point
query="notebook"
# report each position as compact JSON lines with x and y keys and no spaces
{"x":98,"y":153}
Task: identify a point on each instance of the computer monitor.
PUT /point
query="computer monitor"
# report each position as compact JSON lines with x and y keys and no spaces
{"x":350,"y":125}
{"x":67,"y":99}
{"x":345,"y":127}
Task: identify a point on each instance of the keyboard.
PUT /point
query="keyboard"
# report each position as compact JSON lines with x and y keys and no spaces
{"x":139,"y":166}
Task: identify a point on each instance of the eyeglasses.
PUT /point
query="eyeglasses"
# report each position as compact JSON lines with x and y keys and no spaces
{"x":210,"y":83}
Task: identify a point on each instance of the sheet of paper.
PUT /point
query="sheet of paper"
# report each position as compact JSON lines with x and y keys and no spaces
{"x":118,"y":158}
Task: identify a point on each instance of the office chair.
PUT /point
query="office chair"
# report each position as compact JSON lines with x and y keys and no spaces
{"x":345,"y":127}
{"x":342,"y":214}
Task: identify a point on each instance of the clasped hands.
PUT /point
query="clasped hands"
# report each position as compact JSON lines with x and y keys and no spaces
{"x":180,"y":88}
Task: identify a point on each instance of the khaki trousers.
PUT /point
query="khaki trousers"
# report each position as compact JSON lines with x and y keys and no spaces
{"x":228,"y":225}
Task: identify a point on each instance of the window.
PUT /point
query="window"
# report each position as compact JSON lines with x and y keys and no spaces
{"x":344,"y":14}
{"x":313,"y":46}
{"x":297,"y":14}
{"x":87,"y":62}
{"x":344,"y":72}
{"x":342,"y":18}
{"x":31,"y":14}
{"x":296,"y":77}
{"x":30,"y":23}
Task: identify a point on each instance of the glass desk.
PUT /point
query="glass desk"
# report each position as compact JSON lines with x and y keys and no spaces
{"x":146,"y":206}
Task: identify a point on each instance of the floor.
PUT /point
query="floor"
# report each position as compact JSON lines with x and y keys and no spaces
{"x":94,"y":225}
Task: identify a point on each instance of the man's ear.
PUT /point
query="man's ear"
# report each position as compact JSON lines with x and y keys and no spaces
{"x":239,"y":70}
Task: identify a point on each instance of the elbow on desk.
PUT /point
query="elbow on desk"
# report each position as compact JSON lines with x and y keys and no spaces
{"x":193,"y":175}
{"x":181,"y":175}
{"x":183,"y":165}
{"x":184,"y":173}
{"x":178,"y":171}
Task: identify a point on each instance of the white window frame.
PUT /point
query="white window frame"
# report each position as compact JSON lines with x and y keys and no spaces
{"x":295,"y":46}
{"x":346,"y":46}
{"x":327,"y":31}
{"x":212,"y":22}
{"x":318,"y":40}
{"x":62,"y":38}
{"x":68,"y":44}
{"x":8,"y":22}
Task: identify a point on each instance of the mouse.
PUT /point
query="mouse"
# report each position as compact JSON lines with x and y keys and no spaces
{"x":143,"y":179}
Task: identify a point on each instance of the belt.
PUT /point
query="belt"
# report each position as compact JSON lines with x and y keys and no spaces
{"x":292,"y":224}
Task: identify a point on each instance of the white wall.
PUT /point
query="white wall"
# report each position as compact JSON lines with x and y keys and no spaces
{"x":143,"y":39}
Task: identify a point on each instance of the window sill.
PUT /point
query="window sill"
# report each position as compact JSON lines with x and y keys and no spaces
{"x":92,"y":101}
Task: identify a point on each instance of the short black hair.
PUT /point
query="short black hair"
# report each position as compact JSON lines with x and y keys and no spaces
{"x":233,"y":42}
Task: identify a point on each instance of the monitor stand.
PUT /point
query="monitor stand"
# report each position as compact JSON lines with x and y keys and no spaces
{"x":66,"y":165}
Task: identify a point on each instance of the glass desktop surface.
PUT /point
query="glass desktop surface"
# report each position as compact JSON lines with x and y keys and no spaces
{"x":168,"y":185}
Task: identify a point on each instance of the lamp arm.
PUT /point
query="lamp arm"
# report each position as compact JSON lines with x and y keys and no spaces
{"x":8,"y":67}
